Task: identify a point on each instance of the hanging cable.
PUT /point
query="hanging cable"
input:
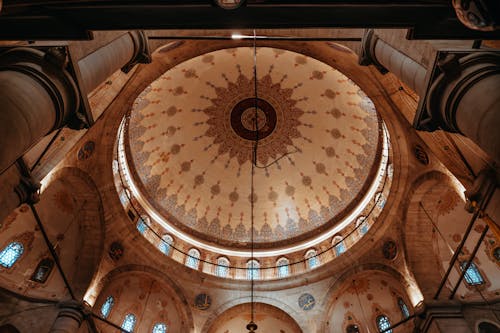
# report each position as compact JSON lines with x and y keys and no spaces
{"x":52,"y":251}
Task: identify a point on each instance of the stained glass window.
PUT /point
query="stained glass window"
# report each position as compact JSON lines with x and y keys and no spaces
{"x":362,"y":225}
{"x":193,"y":259}
{"x":222,"y":268}
{"x":383,"y":324}
{"x":10,"y":254}
{"x":107,"y":306}
{"x":253,"y":271}
{"x":472,"y":275}
{"x":339,"y":246}
{"x":312,"y":259}
{"x":129,"y":322}
{"x":142,"y":224}
{"x":165,"y":244}
{"x":352,"y":329}
{"x":404,"y":308}
{"x":160,"y":328}
{"x":283,"y":267}
{"x":380,"y":199}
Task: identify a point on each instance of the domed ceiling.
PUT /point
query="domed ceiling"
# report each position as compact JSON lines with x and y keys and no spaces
{"x":191,"y":135}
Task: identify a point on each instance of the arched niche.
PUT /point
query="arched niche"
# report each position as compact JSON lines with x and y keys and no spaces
{"x":267,"y":317}
{"x":358,"y":298}
{"x":8,"y":329}
{"x":146,"y":295}
{"x":435,"y":223}
{"x":70,"y":210}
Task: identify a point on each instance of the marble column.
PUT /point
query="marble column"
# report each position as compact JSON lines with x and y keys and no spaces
{"x":37,"y":95}
{"x":69,"y":319}
{"x":123,"y":52}
{"x":464,"y":98}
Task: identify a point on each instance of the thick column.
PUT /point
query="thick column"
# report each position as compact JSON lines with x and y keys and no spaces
{"x":36,"y":96}
{"x":69,"y":319}
{"x":123,"y":52}
{"x":377,"y":52}
{"x":464,"y":96}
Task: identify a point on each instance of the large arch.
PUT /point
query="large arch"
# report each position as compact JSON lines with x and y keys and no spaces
{"x":238,"y":311}
{"x":115,"y":282}
{"x":362,"y":293}
{"x":70,"y":209}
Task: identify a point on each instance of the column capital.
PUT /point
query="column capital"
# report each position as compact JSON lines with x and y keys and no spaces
{"x":142,"y":54}
{"x":367,"y":52}
{"x":47,"y":68}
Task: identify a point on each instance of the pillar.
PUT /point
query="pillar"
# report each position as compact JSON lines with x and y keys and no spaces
{"x":463,"y":97}
{"x":69,"y":318}
{"x":39,"y":95}
{"x":123,"y":52}
{"x":387,"y":58}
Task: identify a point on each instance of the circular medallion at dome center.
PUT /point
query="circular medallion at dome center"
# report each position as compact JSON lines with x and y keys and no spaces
{"x":244,"y":116}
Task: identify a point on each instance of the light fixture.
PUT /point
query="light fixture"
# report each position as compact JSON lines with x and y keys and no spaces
{"x":229,"y":4}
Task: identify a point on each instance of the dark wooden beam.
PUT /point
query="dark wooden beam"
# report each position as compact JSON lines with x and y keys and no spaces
{"x":46,"y":20}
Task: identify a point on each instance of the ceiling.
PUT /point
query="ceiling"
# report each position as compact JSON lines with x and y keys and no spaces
{"x":191,"y":136}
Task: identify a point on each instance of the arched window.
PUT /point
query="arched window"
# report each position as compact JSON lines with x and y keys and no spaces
{"x":165,"y":244}
{"x":129,"y":322}
{"x":496,"y":253}
{"x":472,"y":275}
{"x":193,"y":258}
{"x":283,"y":267}
{"x":142,"y":224}
{"x":43,"y":270}
{"x":383,"y":324}
{"x":404,"y":308}
{"x":160,"y":328}
{"x":107,"y":306}
{"x":380,"y":199}
{"x":352,"y":329}
{"x":362,"y":225}
{"x":312,"y":259}
{"x":338,"y":245}
{"x":10,"y":254}
{"x":222,"y":268}
{"x":486,"y":327}
{"x":253,"y":271}
{"x":125,"y":196}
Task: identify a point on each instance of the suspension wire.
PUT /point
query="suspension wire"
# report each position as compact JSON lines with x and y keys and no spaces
{"x":46,"y":149}
{"x":51,"y":250}
{"x":252,"y":171}
{"x":122,"y":330}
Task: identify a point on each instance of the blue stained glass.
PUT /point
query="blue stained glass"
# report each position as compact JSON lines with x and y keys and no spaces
{"x":106,"y":307}
{"x":339,"y":248}
{"x":10,"y":254}
{"x":313,"y":262}
{"x":141,"y":226}
{"x":404,"y":308}
{"x":160,"y":328}
{"x":283,"y":268}
{"x":363,"y":228}
{"x":222,"y":268}
{"x":253,"y":270}
{"x":383,"y":324}
{"x":164,"y":245}
{"x":192,"y":259}
{"x":472,"y":275}
{"x":129,"y":322}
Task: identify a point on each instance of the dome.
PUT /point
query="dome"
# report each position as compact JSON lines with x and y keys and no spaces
{"x":189,"y":139}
